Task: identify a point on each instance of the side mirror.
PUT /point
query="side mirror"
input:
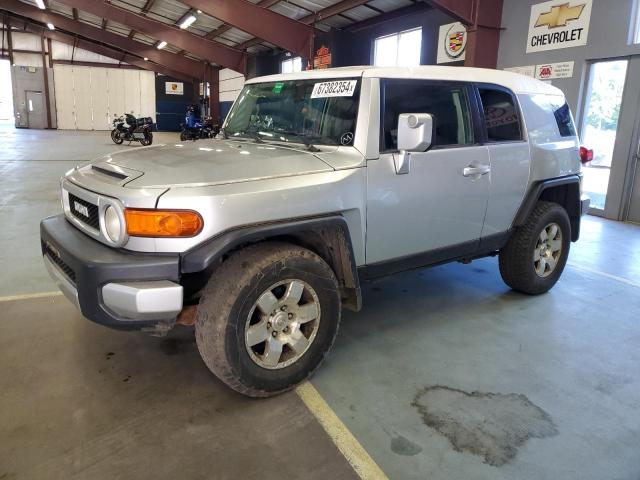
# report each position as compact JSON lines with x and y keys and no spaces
{"x":415,"y":134}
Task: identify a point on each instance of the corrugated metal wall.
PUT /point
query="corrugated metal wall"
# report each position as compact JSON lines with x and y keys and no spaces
{"x":91,"y":97}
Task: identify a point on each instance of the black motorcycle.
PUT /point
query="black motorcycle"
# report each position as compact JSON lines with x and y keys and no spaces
{"x":129,"y":128}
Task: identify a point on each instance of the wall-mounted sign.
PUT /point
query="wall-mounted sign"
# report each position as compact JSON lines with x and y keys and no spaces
{"x":528,"y":70}
{"x":545,"y":71}
{"x":322,"y":58}
{"x":558,"y":24}
{"x":554,"y":70}
{"x":452,"y":41}
{"x":174,"y":88}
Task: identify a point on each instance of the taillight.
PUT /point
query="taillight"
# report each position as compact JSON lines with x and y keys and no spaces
{"x":586,"y":155}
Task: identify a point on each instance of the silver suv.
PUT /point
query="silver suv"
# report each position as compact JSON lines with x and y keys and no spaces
{"x":322,"y":179}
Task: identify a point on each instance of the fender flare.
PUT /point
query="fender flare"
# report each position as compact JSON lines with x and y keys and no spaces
{"x":330,"y":231}
{"x":536,"y":193}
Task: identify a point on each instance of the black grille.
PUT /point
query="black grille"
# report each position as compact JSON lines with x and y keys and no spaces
{"x":66,"y":269}
{"x":92,"y":220}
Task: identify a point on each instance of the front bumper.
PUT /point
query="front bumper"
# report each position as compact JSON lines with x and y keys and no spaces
{"x":116,"y":288}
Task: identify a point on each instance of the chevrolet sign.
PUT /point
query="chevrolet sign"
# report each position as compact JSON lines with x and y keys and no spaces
{"x":558,"y":24}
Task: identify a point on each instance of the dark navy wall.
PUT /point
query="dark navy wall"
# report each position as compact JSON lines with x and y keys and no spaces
{"x":170,"y":109}
{"x":354,"y":46}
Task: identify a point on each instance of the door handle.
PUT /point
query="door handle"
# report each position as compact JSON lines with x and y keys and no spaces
{"x":471,"y":171}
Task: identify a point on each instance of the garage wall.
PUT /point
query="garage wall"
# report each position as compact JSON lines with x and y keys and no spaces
{"x":231,"y":82}
{"x":89,"y":98}
{"x":609,"y":33}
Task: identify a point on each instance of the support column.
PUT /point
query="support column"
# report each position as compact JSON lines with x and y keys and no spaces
{"x":484,"y":34}
{"x":214,"y":94}
{"x":7,"y":23}
{"x":45,"y":75}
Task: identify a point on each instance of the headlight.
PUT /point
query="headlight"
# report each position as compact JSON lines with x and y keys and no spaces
{"x":112,"y":225}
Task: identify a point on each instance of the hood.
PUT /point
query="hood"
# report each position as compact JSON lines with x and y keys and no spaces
{"x":212,"y":162}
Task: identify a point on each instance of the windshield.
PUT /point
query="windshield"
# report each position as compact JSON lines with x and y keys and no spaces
{"x":319,"y":111}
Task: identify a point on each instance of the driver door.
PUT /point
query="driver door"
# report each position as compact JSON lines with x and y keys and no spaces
{"x":436,"y":210}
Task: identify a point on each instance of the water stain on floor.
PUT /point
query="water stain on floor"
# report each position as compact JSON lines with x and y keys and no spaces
{"x":404,"y":446}
{"x":491,"y":425}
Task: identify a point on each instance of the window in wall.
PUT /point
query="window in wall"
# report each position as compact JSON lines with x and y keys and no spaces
{"x":635,"y":22}
{"x":398,"y":50}
{"x":501,"y":116}
{"x":448,"y":106}
{"x":292,"y":65}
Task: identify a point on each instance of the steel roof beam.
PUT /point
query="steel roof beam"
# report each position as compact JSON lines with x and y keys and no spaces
{"x":207,"y":49}
{"x":266,"y":24}
{"x":102,"y":50}
{"x":174,"y":62}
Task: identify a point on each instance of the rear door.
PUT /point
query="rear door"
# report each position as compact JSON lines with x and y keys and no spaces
{"x":504,"y":135}
{"x":441,"y":202}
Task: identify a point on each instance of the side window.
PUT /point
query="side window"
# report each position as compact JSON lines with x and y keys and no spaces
{"x":564,"y":120}
{"x":448,"y":105}
{"x":501,"y":116}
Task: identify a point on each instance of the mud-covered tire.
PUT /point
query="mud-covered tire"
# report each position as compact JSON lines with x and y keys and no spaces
{"x":517,"y":258}
{"x":231,"y":295}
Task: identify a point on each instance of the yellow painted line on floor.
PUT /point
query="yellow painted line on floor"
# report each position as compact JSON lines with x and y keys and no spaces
{"x":604,"y":274}
{"x":355,"y":454}
{"x":28,"y":296}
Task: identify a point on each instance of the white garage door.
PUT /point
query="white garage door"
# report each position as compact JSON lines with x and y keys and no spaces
{"x":91,"y":97}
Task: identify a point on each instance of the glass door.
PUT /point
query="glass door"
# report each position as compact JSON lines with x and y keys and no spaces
{"x":602,"y":107}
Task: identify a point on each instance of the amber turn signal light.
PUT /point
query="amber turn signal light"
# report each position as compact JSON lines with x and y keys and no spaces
{"x":162,"y":223}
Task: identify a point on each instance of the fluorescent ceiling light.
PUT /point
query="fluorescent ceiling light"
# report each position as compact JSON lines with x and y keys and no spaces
{"x":40,"y":4}
{"x":188,"y":20}
{"x":51,"y":27}
{"x":146,"y":59}
{"x":161,"y":45}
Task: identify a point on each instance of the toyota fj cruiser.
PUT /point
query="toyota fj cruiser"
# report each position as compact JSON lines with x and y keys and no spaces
{"x":321,"y":179}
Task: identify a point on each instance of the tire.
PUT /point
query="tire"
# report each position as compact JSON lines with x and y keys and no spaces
{"x":115,"y":136}
{"x":527,"y":263}
{"x":228,"y":310}
{"x":183,"y":136}
{"x":148,"y":140}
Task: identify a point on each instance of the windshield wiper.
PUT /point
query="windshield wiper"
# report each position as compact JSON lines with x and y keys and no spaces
{"x":305,"y":137}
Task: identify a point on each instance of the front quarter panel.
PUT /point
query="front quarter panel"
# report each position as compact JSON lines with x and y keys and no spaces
{"x":226,"y":207}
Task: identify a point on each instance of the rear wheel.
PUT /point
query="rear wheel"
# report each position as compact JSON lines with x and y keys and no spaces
{"x":535,"y":256}
{"x":267,"y":318}
{"x":115,"y":136}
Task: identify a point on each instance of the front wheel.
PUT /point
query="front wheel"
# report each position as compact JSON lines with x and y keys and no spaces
{"x":268,"y":317}
{"x":115,"y":136}
{"x":147,"y":140}
{"x":536,"y":254}
{"x":183,"y":136}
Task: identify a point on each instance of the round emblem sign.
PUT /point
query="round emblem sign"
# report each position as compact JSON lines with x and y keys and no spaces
{"x":455,"y":40}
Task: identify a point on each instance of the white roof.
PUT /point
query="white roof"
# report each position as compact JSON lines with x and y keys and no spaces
{"x":513,"y":81}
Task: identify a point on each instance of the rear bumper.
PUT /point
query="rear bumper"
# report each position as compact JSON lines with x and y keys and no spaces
{"x":116,"y":288}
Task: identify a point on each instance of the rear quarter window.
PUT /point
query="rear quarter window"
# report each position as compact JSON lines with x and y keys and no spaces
{"x":502,"y":119}
{"x":564,"y":119}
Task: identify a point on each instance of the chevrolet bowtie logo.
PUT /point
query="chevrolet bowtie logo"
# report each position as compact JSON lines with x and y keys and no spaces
{"x":559,"y":15}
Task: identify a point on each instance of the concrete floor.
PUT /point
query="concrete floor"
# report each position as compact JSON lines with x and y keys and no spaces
{"x":444,"y":374}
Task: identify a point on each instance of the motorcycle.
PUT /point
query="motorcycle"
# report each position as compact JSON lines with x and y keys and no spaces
{"x":129,"y":128}
{"x":194,"y":129}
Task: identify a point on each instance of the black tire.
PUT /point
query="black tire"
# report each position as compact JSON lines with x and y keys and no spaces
{"x":115,"y":136}
{"x":517,"y":264}
{"x":148,"y":140}
{"x":229,"y":298}
{"x":183,"y":136}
